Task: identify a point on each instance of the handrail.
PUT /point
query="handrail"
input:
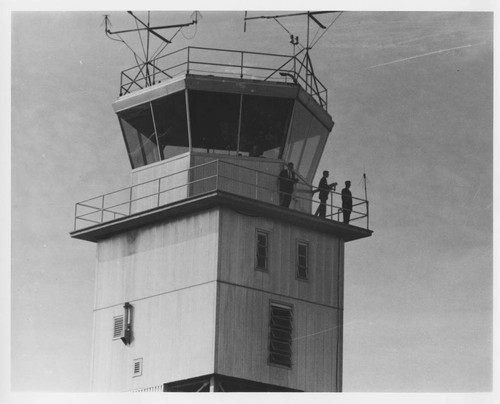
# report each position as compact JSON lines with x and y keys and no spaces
{"x":135,"y":78}
{"x":204,"y":178}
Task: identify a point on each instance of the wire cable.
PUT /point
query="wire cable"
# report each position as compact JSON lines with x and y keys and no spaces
{"x":195,"y":32}
{"x":327,"y":28}
{"x":166,"y":44}
{"x":140,"y":38}
{"x":107,"y":33}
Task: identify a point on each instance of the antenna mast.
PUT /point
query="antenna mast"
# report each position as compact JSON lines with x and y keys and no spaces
{"x":306,"y":62}
{"x":146,"y":65}
{"x":366,"y":199}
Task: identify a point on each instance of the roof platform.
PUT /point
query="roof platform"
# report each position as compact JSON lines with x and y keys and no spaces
{"x":229,"y":63}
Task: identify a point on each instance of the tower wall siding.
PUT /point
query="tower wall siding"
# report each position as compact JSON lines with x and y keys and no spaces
{"x":167,"y":272}
{"x":245,"y":294}
{"x":243,"y":337}
{"x":238,"y":258}
{"x":173,"y":334}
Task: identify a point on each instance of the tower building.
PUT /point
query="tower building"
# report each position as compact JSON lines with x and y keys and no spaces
{"x":203,"y":281}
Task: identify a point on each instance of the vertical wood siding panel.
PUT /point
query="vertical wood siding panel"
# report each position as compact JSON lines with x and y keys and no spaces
{"x":243,"y":340}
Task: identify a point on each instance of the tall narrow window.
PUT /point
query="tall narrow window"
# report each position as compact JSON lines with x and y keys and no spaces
{"x":280,"y":335}
{"x":302,"y":260}
{"x":262,"y":250}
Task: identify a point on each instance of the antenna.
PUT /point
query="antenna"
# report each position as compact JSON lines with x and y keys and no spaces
{"x":306,"y":62}
{"x":147,"y":61}
{"x":310,"y":16}
{"x":364,"y":181}
{"x":366,"y":198}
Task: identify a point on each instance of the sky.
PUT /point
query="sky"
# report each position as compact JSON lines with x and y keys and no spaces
{"x":411,"y":95}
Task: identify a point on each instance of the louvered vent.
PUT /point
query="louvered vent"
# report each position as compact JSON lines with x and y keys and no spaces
{"x":280,"y":335}
{"x":118,"y":326}
{"x":137,"y":367}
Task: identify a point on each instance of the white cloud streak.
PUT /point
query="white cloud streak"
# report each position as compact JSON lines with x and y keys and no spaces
{"x":420,"y":56}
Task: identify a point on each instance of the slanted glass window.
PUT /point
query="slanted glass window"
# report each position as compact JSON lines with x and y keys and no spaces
{"x":280,"y":335}
{"x":139,"y":133}
{"x":262,"y":250}
{"x":171,"y":124}
{"x":310,"y":151}
{"x":313,"y":148}
{"x":214,"y":121}
{"x":264,"y":125}
{"x":307,"y":136}
{"x":302,"y":260}
{"x":298,"y":135}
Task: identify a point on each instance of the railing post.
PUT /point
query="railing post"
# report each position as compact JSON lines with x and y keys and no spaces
{"x":189,"y":48}
{"x":130,"y":202}
{"x":102,"y":209}
{"x":257,"y":185}
{"x":159,"y":189}
{"x":241,"y":66}
{"x":217,"y":175}
{"x":76,"y":211}
{"x":367,"y":217}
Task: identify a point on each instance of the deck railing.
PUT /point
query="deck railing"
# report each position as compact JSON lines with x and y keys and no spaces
{"x":203,"y":179}
{"x":226,"y":63}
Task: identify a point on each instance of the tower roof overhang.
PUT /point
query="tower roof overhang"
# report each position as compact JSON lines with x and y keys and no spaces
{"x":224,"y":85}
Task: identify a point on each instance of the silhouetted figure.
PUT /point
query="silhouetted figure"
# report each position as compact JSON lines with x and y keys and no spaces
{"x":347,"y":202}
{"x":287,"y":181}
{"x":324,"y":191}
{"x":255,"y":152}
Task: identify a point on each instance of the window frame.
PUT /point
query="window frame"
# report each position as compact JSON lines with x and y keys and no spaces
{"x":266,"y":257}
{"x":305,"y":243}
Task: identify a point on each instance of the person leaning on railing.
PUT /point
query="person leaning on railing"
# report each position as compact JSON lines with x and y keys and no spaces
{"x":287,"y":181}
{"x":324,"y":192}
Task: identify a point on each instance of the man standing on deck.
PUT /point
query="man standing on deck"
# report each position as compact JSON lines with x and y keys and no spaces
{"x":347,"y":202}
{"x":324,"y":191}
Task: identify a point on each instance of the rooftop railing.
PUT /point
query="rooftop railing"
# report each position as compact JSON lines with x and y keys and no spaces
{"x":203,"y":179}
{"x":226,"y":63}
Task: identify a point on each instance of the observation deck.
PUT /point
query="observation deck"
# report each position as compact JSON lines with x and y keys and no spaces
{"x":215,"y":182}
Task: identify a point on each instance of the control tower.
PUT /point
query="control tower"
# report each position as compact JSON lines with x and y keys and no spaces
{"x":204,"y":283}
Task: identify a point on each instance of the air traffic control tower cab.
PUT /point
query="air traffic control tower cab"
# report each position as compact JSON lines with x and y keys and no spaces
{"x":232,"y":116}
{"x":224,"y":116}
